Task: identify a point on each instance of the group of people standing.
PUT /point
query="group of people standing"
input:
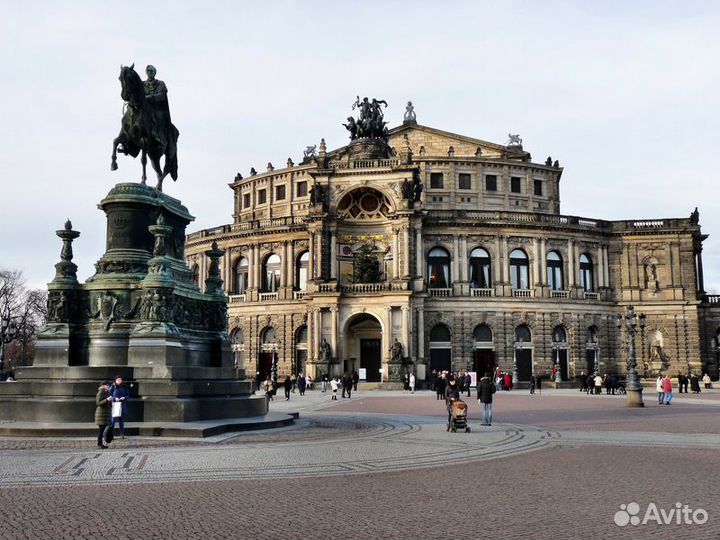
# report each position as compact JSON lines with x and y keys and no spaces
{"x":692,"y":380}
{"x":110,"y":409}
{"x":440,"y":380}
{"x":594,"y":383}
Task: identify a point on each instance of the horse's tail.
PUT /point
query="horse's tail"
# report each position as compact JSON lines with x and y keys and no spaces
{"x":171,"y":162}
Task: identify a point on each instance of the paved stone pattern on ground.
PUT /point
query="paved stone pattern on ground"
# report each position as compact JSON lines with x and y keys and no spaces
{"x":557,"y":465}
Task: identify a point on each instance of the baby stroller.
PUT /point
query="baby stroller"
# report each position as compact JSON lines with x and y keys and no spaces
{"x":458,"y":416}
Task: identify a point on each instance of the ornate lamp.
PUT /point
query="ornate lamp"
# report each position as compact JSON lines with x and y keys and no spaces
{"x":633,"y":387}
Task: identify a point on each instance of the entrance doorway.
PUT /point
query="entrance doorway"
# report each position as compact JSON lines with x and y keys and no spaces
{"x":484,"y":362}
{"x":440,"y":348}
{"x":563,"y":357}
{"x":590,"y":360}
{"x":265,"y":365}
{"x":524,"y":364}
{"x":370,"y":359}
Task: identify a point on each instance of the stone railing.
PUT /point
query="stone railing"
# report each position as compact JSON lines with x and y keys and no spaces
{"x":559,"y":294}
{"x":523,"y":293}
{"x":236,"y":298}
{"x":440,"y":292}
{"x":256,"y":224}
{"x":327,"y":287}
{"x":485,"y":293}
{"x":588,"y":295}
{"x":364,"y":164}
{"x":364,"y":287}
{"x":299,"y":295}
{"x":712,"y":299}
{"x":268,"y":296}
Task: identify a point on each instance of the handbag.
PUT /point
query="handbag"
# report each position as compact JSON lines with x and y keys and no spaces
{"x":117,"y":409}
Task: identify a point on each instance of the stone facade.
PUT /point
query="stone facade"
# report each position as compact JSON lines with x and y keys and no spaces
{"x":481,"y":270}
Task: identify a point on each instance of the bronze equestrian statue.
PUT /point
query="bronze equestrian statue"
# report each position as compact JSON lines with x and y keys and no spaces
{"x":146,"y":126}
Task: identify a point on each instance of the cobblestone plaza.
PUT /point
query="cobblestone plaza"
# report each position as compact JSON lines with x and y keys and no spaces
{"x":382,"y":465}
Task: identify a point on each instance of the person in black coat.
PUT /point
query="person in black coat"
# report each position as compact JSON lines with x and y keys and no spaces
{"x":440,"y":388}
{"x":347,"y":383}
{"x":468,"y":382}
{"x":485,"y":391}
{"x":287,"y":384}
{"x":532,"y":383}
{"x":355,"y":378}
{"x":452,"y":393}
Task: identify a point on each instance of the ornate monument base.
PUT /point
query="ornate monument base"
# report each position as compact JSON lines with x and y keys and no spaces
{"x":141,"y":316}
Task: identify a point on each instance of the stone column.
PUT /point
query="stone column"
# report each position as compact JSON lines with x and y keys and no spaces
{"x":463,"y":258}
{"x":311,"y":261}
{"x":317,"y":323}
{"x":311,"y":345}
{"x":420,"y":334}
{"x":387,"y":337}
{"x":456,"y":260}
{"x":406,"y":251}
{"x":700,"y":276}
{"x":606,"y":267}
{"x":543,"y":262}
{"x":505,"y":260}
{"x":319,"y":254}
{"x":497,"y":268}
{"x":536,"y":262}
{"x":333,"y":254}
{"x":258,"y":267}
{"x":405,"y":340}
{"x":334,"y":332}
{"x":571,"y":264}
{"x":419,"y":254}
{"x":396,"y":253}
{"x":600,"y":268}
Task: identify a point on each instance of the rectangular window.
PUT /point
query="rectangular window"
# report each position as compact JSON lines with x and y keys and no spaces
{"x":491,"y":182}
{"x":302,"y":189}
{"x":537,"y":188}
{"x":515,"y":183}
{"x":464,"y":181}
{"x":436,"y":180}
{"x":280,"y":193}
{"x":262,"y":196}
{"x":246,"y":200}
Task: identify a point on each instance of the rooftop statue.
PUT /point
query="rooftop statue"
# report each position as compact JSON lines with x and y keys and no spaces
{"x":409,"y":113}
{"x":514,"y":140}
{"x":146,"y":127}
{"x":371,"y":122}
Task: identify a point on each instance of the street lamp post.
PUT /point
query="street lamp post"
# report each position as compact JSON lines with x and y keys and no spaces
{"x":516,"y":348}
{"x":633,"y":387}
{"x":556,"y":361}
{"x":7,"y":334}
{"x":715,"y":343}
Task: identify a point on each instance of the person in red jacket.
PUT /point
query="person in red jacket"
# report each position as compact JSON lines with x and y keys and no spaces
{"x":508,"y":381}
{"x":667,"y":388}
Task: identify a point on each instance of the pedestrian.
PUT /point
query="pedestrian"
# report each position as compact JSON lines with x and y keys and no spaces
{"x":612,"y":382}
{"x":309,"y":382}
{"x":440,"y":387}
{"x":323,"y":383}
{"x":659,"y":389}
{"x":499,"y":380}
{"x":590,"y":384}
{"x":507,"y":382}
{"x":269,"y":388}
{"x":334,"y":383}
{"x":706,"y":381}
{"x":287,"y":384}
{"x":355,"y":380}
{"x":347,"y":383}
{"x":468,"y":383}
{"x":293,"y":380}
{"x":667,"y":389}
{"x":686,"y":381}
{"x":452,"y":393}
{"x":681,"y":382}
{"x":102,"y":415}
{"x":598,"y":384}
{"x":583,"y":382}
{"x":406,"y":383}
{"x":694,"y":384}
{"x":301,"y":384}
{"x":485,"y":390}
{"x":532,"y":383}
{"x":412,"y":383}
{"x":118,"y":397}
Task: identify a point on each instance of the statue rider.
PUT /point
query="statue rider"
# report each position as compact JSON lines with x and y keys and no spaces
{"x":156,"y":97}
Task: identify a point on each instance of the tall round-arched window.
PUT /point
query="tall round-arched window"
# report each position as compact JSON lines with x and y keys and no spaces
{"x":555,"y":271}
{"x":587,"y":282}
{"x":482,"y":333}
{"x":559,"y":335}
{"x":241,"y":274}
{"x":519,"y":270}
{"x":271,"y":273}
{"x":522,"y":334}
{"x":440,"y":333}
{"x":301,"y":277}
{"x":438,"y":266}
{"x":480,"y":275}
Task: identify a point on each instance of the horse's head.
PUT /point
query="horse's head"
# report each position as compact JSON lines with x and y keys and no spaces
{"x":132,"y":90}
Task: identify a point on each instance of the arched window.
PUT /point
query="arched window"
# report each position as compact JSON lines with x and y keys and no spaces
{"x":555,"y":271}
{"x":519,"y":270}
{"x":587,"y":282}
{"x":271,"y":274}
{"x":238,"y":346}
{"x":268,"y":336}
{"x":438,"y":264}
{"x":559,"y":335}
{"x":196,"y":274}
{"x":241,"y":276}
{"x":522,"y":334}
{"x":301,"y":277}
{"x":440,"y":333}
{"x":480,"y":276}
{"x":483,"y":333}
{"x":592,"y":337}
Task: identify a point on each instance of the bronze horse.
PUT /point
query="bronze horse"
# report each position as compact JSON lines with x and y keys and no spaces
{"x":143,"y":132}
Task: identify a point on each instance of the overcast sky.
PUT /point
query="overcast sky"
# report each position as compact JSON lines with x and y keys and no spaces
{"x":625,"y":94}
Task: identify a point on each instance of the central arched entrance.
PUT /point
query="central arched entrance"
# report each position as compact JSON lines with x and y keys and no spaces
{"x":363,"y":347}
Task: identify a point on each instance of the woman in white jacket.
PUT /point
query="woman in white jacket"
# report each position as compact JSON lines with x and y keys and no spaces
{"x":659,"y":388}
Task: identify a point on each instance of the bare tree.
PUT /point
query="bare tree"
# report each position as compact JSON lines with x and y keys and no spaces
{"x":22,"y":314}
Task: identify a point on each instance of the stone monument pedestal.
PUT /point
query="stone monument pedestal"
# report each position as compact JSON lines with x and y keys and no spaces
{"x":141,"y":317}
